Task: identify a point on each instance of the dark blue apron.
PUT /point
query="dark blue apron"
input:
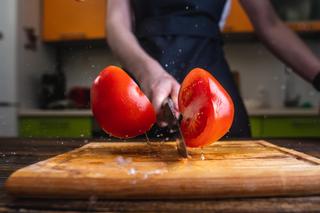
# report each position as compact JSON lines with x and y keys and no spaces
{"x":184,"y":34}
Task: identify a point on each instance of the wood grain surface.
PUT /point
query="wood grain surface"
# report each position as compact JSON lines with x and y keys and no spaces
{"x":140,"y":171}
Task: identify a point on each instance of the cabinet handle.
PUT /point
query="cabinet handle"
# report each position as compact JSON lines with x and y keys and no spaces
{"x":72,"y":36}
{"x":1,"y":36}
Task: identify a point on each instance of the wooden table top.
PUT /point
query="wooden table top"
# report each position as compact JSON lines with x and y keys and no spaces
{"x":17,"y":153}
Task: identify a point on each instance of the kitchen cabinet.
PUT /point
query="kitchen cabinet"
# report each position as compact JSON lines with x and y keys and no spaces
{"x":55,"y":127}
{"x":285,"y":126}
{"x":80,"y":123}
{"x":300,"y":16}
{"x":73,"y":20}
{"x":237,"y":21}
{"x":256,"y":126}
{"x":65,"y":20}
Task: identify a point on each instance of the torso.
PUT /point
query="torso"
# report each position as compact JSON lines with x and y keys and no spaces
{"x":177,"y":17}
{"x":184,"y":34}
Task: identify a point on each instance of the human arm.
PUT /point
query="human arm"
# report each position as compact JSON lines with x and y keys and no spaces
{"x":154,"y":80}
{"x":282,"y":41}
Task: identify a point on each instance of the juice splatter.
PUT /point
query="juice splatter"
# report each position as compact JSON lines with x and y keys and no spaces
{"x":132,"y":171}
{"x":202,"y":157}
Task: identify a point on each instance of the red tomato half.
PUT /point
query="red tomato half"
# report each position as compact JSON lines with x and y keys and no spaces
{"x":119,"y":106}
{"x":206,"y":107}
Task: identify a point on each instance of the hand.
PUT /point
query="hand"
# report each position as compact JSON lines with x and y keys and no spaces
{"x":158,"y":85}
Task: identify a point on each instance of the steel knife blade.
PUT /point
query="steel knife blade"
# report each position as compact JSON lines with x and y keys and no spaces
{"x":170,"y":113}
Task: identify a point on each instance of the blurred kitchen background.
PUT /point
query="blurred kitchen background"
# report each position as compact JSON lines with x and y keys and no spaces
{"x":51,"y":50}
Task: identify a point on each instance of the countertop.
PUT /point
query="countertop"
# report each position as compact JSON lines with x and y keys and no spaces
{"x":17,"y":153}
{"x":251,"y":112}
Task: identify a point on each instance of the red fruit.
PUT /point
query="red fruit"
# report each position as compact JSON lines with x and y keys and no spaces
{"x":206,"y":107}
{"x":119,"y":106}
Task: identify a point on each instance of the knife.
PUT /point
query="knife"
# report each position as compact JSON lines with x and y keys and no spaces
{"x":174,"y":123}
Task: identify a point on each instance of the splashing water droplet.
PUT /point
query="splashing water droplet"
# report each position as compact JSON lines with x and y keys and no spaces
{"x":202,"y":157}
{"x":123,"y":161}
{"x":132,"y":171}
{"x":172,"y":130}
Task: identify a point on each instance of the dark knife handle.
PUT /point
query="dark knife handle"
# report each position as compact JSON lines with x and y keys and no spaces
{"x":169,"y":112}
{"x":168,"y":101}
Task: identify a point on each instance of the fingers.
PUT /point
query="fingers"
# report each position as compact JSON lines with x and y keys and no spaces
{"x":159,"y":95}
{"x":174,"y":95}
{"x":167,"y":88}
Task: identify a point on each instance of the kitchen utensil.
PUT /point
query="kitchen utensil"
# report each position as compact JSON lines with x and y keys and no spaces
{"x":174,"y":123}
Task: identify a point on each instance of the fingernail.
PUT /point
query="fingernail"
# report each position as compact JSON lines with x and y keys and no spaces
{"x":163,"y":124}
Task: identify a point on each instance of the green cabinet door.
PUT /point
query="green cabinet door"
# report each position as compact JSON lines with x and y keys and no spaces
{"x":49,"y":127}
{"x":291,"y":126}
{"x":256,"y":126}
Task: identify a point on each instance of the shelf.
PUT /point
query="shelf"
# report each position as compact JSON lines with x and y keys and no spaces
{"x":251,"y":112}
{"x":54,"y":113}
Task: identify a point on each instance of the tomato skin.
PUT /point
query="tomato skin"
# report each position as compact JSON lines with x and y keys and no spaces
{"x":207,"y":109}
{"x":119,"y":106}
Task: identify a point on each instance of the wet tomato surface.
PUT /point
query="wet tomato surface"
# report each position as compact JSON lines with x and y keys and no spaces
{"x":206,"y":107}
{"x":119,"y":106}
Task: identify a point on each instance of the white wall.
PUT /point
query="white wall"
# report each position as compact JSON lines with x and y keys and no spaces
{"x":256,"y":65}
{"x":31,"y":63}
{"x":82,"y":65}
{"x":259,"y":68}
{"x":8,"y":50}
{"x":8,"y":75}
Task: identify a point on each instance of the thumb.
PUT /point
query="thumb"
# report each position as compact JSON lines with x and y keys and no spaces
{"x":174,"y":95}
{"x":158,"y":97}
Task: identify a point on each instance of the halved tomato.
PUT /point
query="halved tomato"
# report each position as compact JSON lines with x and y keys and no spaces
{"x":206,"y":107}
{"x":119,"y":106}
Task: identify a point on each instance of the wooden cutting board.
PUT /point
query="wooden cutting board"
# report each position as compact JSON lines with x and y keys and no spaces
{"x":141,"y":171}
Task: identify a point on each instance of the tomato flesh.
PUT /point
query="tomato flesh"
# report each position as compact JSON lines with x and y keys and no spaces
{"x":194,"y":126}
{"x":206,"y":107}
{"x":119,"y":106}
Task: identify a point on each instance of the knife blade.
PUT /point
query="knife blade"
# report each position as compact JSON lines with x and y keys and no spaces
{"x":170,"y":113}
